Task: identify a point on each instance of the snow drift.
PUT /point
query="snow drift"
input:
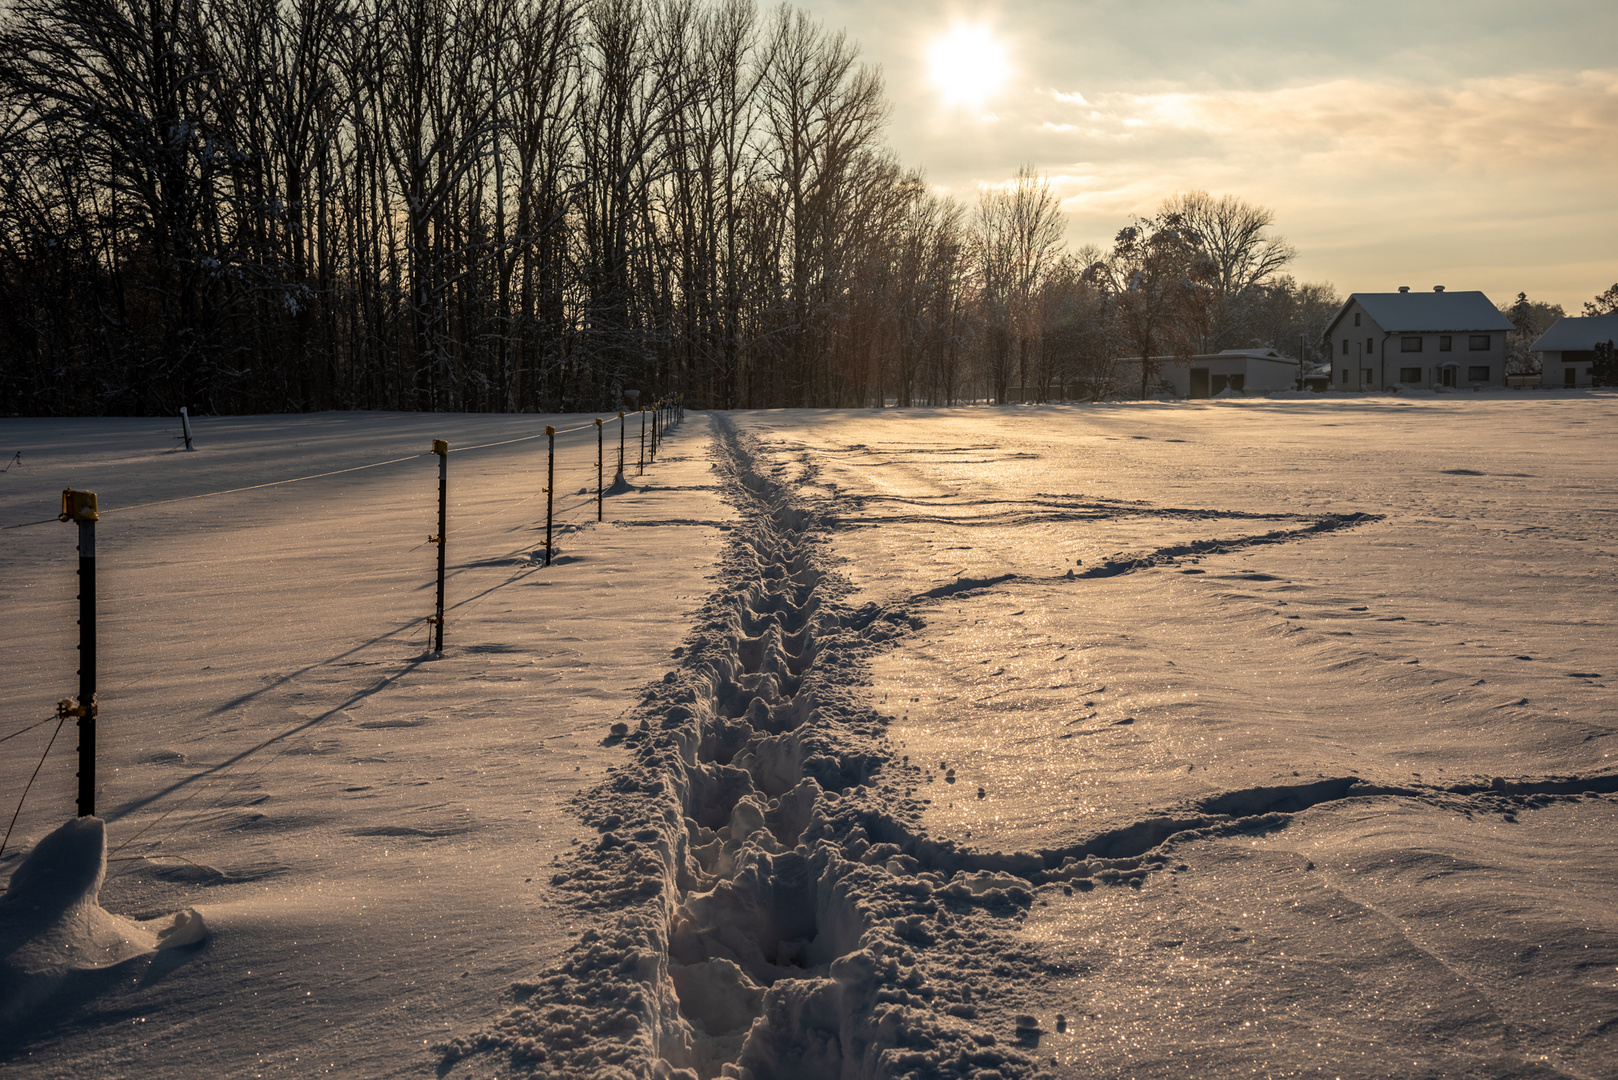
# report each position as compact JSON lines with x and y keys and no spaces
{"x":53,"y":926}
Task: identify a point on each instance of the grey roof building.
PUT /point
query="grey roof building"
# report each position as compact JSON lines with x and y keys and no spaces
{"x":1568,"y":347}
{"x":1438,"y":339}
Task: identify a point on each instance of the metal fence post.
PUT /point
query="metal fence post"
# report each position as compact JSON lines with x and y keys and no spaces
{"x":441,"y":448}
{"x":601,"y":474}
{"x":620,"y":447}
{"x":185,"y":425}
{"x":550,"y":489}
{"x":641,"y":470}
{"x":80,"y":507}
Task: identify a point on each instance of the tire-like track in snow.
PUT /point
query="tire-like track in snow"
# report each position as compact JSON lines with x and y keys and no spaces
{"x":772,"y":906}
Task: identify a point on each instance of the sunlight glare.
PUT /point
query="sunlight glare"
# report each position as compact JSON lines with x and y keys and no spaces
{"x":967,"y":65}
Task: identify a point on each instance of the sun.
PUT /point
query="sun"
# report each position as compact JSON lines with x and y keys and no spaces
{"x":967,"y":65}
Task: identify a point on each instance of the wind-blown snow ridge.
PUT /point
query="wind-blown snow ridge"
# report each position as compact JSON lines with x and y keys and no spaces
{"x":1163,"y":556}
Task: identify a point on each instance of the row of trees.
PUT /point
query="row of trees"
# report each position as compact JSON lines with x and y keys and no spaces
{"x":265,"y":205}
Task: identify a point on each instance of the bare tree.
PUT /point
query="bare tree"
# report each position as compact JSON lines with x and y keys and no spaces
{"x":1234,"y":237}
{"x":1018,"y":234}
{"x":1161,"y":288}
{"x":1604,"y":304}
{"x":823,"y":113}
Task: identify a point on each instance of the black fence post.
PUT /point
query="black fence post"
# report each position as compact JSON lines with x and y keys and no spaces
{"x":441,"y":448}
{"x":601,"y":472}
{"x":80,"y":507}
{"x":620,"y":447}
{"x":641,"y":470}
{"x":550,"y":489}
{"x":185,"y":426}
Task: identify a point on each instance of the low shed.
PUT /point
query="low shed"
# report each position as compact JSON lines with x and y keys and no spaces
{"x":1568,"y":347}
{"x":1237,"y":371}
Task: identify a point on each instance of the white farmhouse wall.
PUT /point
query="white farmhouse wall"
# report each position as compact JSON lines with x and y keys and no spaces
{"x":1554,"y":366}
{"x":1356,"y":351}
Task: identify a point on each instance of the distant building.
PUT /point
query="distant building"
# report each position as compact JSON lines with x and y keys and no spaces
{"x":1568,"y":347}
{"x":1381,"y":341}
{"x":1239,"y":371}
{"x":1234,"y":371}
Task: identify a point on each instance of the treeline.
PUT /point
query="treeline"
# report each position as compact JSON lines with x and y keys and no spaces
{"x":281,"y":205}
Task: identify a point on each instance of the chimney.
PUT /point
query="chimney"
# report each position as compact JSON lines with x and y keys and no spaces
{"x":1404,"y":288}
{"x":1438,"y":288}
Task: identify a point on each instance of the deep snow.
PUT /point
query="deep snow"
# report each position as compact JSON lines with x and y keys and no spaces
{"x":1248,"y":736}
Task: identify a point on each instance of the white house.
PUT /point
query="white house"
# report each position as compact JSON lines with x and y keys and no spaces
{"x":1566,"y":349}
{"x":1386,"y":340}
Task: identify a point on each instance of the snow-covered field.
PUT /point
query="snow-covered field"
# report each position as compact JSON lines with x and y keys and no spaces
{"x":1268,"y":737}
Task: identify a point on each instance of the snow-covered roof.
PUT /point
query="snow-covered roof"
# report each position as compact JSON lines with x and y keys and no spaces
{"x":1417,"y":312}
{"x":1577,"y":332}
{"x":1224,"y":354}
{"x":1250,"y":354}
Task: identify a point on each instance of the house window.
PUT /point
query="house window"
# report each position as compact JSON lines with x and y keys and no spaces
{"x":1370,"y":345}
{"x":1410,"y":344}
{"x":1478,"y":343}
{"x":1345,"y":346}
{"x":1478,"y":373}
{"x":1444,"y":343}
{"x":1368,"y":376}
{"x":1344,"y":374}
{"x":1356,"y":318}
{"x":1410,"y":374}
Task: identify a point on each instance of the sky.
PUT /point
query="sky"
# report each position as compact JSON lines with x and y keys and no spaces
{"x":1472,"y":145}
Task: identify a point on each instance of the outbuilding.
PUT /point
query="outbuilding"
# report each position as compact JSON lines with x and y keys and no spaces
{"x":1382,"y":341}
{"x":1568,"y":347}
{"x":1239,"y":371}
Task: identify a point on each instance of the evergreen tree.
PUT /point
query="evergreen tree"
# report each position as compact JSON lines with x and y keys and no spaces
{"x":1604,"y":368}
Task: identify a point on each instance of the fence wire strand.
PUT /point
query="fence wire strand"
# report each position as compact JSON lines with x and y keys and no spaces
{"x":300,"y":479}
{"x":30,"y":727}
{"x":29,"y":786}
{"x":229,"y":771}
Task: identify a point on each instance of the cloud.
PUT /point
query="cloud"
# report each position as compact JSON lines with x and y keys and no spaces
{"x":1501,"y":124}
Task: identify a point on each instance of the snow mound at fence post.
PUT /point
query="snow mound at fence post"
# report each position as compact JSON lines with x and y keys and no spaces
{"x":53,"y":926}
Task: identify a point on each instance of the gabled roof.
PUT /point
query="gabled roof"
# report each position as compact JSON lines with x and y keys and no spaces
{"x":1427,"y":312}
{"x":1573,"y":332}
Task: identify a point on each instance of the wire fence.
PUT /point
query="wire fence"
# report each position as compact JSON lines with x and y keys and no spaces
{"x":656,"y":420}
